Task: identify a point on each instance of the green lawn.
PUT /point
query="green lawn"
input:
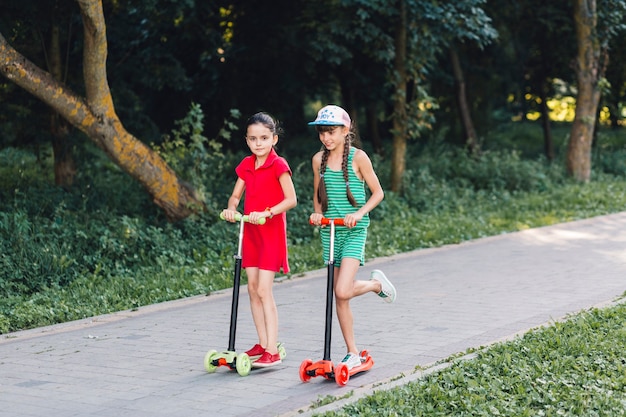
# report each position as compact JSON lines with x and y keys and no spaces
{"x":572,"y":368}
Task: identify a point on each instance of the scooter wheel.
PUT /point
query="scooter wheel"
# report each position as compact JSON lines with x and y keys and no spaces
{"x":304,"y":377}
{"x":342,"y":374}
{"x":208,"y":361}
{"x":282,"y":351}
{"x":243,"y":364}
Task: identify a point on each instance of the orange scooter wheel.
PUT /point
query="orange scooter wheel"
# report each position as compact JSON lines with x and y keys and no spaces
{"x":304,"y":376}
{"x":342,"y":374}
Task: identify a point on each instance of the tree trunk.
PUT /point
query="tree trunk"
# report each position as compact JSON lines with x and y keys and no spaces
{"x":461,"y":95}
{"x":95,"y":115}
{"x":399,"y":126}
{"x":348,"y":100}
{"x":587,"y":67}
{"x":548,"y":143}
{"x":64,"y":166}
{"x":371,"y":116}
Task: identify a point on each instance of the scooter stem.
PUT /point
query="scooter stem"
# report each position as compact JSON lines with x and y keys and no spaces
{"x":329,"y":293}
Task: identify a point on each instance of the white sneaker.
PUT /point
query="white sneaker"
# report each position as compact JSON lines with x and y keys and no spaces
{"x":351,"y":360}
{"x":388,"y":291}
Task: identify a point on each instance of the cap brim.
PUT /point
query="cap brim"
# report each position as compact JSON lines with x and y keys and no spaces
{"x":325,"y":123}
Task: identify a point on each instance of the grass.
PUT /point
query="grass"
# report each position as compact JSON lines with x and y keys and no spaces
{"x":550,"y":371}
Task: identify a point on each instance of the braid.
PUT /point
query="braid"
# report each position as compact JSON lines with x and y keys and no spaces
{"x":322,"y":196}
{"x":344,"y":168}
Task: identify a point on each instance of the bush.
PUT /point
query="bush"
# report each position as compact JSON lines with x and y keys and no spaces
{"x":104,"y":246}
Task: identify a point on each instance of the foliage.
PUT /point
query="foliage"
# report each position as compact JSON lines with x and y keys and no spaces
{"x":551,"y":371}
{"x":104,"y":247}
{"x":165,"y":54}
{"x":193,"y":156}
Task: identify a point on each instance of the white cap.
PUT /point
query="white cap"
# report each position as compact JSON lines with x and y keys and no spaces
{"x":332,"y":115}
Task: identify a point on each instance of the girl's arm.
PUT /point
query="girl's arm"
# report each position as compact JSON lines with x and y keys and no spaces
{"x":290,"y":200}
{"x":316,"y":216}
{"x":365,"y":169}
{"x":233,"y":202}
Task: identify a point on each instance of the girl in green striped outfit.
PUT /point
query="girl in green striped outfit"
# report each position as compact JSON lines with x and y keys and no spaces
{"x":341,"y":172}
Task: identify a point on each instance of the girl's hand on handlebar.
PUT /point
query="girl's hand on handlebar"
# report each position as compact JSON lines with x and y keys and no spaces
{"x":351,"y":219}
{"x":229,"y":215}
{"x":256,"y":216}
{"x":316,"y":219}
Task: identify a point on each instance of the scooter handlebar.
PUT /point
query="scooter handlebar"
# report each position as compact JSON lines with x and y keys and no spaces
{"x":327,"y":221}
{"x":246,"y":218}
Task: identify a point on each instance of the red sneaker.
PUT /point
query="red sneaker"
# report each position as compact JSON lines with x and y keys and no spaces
{"x":266,"y":360}
{"x":255,"y":352}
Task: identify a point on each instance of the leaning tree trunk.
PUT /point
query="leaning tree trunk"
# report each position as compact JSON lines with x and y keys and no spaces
{"x":587,"y":67}
{"x":398,"y":158}
{"x":95,"y":114}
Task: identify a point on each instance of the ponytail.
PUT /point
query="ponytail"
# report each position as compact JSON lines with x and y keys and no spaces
{"x":344,"y":168}
{"x":322,"y":195}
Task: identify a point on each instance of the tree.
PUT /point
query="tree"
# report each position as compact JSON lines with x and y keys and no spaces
{"x":430,"y":29}
{"x":350,"y":48}
{"x":590,"y":66}
{"x":400,"y":123}
{"x":616,"y":75}
{"x":546,"y":34}
{"x":381,"y":53}
{"x":64,"y":165}
{"x":470,"y":138}
{"x":95,"y":114}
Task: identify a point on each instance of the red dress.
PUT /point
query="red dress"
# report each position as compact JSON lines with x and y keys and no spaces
{"x":264,"y":246}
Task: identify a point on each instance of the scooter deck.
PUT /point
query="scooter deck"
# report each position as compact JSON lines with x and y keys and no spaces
{"x":241,"y":362}
{"x":343,"y":374}
{"x":340,"y":373}
{"x":365,"y":366}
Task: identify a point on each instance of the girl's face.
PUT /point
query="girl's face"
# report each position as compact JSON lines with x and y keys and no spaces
{"x":333,"y":137}
{"x":260,"y":139}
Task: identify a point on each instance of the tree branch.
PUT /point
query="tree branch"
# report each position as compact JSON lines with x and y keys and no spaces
{"x":97,"y":89}
{"x":42,"y":85}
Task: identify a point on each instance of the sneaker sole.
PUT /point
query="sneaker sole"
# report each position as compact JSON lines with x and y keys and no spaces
{"x":265,"y":365}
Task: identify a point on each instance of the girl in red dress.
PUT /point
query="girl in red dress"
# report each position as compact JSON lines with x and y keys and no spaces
{"x":269,"y":193}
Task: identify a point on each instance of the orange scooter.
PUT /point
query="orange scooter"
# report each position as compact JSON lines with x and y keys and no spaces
{"x":340,"y":373}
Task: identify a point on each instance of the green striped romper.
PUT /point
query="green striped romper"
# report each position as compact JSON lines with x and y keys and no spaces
{"x":349,"y":243}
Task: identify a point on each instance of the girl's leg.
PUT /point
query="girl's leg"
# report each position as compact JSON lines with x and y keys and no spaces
{"x":268,"y":307}
{"x":346,"y":288}
{"x":256,"y":305}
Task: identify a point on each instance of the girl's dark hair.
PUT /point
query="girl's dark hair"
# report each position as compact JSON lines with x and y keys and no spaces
{"x":266,"y":120}
{"x":322,"y":195}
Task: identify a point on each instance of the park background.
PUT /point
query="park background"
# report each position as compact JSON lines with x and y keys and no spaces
{"x":121,"y":124}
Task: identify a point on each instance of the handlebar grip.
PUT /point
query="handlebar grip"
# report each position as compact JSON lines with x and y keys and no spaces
{"x":246,"y":218}
{"x":326,"y":221}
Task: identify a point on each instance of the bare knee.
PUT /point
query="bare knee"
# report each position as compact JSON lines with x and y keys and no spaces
{"x":264,"y":293}
{"x":343,"y":294}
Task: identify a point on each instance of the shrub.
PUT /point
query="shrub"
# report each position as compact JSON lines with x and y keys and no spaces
{"x":103,"y":246}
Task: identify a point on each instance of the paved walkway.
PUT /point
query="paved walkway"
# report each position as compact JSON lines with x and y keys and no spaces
{"x":150,"y":362}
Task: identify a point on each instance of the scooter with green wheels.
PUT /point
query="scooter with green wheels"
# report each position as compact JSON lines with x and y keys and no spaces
{"x":230,"y":358}
{"x":325,"y":368}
